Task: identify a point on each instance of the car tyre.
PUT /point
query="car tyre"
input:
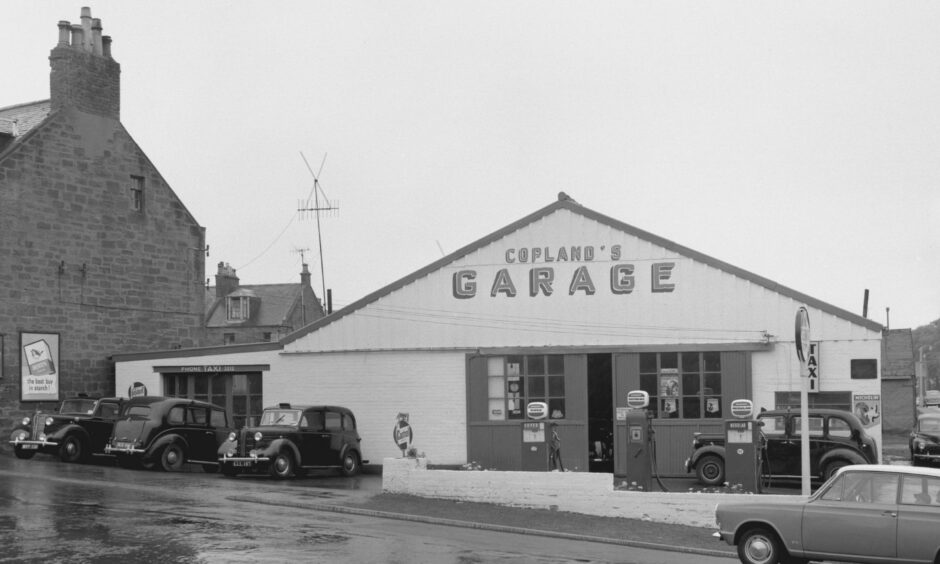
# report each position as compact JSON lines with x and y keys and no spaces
{"x":351,"y":465}
{"x":710,"y":470}
{"x":22,"y":453}
{"x":282,"y":466}
{"x":833,"y":467}
{"x":172,"y":458}
{"x":759,"y":546}
{"x":72,"y":449}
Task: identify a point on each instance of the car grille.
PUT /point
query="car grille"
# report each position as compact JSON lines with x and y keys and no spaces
{"x":246,"y":442}
{"x":39,"y":425}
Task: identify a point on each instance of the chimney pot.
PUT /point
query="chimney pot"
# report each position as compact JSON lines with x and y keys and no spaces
{"x":106,"y":46}
{"x":77,"y":36}
{"x":64,"y":32}
{"x":86,"y":29}
{"x":96,"y":36}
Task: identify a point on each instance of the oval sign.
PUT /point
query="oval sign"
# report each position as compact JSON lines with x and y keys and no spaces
{"x":742,"y":408}
{"x":802,"y":334}
{"x":537,"y":410}
{"x":136,"y":390}
{"x":637,"y":399}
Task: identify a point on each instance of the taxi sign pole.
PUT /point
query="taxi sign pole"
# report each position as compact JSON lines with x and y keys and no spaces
{"x":802,"y":352}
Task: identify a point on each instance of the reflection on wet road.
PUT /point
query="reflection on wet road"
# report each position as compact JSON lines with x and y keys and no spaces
{"x":55,"y":512}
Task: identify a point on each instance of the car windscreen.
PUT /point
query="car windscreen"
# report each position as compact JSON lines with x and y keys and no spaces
{"x":930,"y":425}
{"x":280,"y":417}
{"x":78,"y":406}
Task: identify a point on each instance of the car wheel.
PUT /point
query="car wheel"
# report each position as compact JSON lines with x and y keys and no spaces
{"x":20,"y":452}
{"x":833,"y":467}
{"x":72,"y":449}
{"x":172,"y":458}
{"x":759,"y":546}
{"x":710,"y":470}
{"x":282,"y":466}
{"x":351,"y":464}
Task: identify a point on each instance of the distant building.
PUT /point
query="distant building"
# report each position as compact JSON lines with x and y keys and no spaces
{"x":100,"y":256}
{"x":237,"y":314}
{"x":897,"y":380}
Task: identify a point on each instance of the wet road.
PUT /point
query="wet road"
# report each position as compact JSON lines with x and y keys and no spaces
{"x":55,"y":512}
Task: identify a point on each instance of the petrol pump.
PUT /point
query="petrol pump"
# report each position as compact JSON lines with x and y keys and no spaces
{"x":535,"y":439}
{"x":743,"y":447}
{"x":634,"y":462}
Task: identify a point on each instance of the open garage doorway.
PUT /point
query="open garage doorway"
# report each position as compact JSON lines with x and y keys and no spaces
{"x":600,"y":413}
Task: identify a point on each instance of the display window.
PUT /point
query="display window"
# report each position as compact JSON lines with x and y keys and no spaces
{"x":514,"y":381}
{"x":684,"y":385}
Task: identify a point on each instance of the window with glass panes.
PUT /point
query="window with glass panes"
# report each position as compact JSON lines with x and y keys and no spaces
{"x":239,"y":394}
{"x":682,"y":385}
{"x":514,"y":381}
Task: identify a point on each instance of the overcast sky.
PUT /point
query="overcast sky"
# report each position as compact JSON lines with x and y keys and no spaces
{"x":796,"y":140}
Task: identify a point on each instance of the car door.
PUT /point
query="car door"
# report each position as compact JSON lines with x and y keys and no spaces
{"x":100,"y":426}
{"x":918,"y":515}
{"x":317,"y":441}
{"x":779,"y":444}
{"x":859,"y":521}
{"x":201,"y":438}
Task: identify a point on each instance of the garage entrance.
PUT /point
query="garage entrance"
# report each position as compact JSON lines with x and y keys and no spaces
{"x":600,"y":413}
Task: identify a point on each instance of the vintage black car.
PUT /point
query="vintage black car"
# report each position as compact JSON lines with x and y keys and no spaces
{"x":168,"y":432}
{"x":78,"y":429}
{"x":290,"y":440}
{"x":925,"y":440}
{"x":837,"y":439}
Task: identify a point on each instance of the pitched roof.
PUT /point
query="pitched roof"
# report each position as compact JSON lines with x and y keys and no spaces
{"x":18,"y":120}
{"x":566,"y":203}
{"x":276,"y":303}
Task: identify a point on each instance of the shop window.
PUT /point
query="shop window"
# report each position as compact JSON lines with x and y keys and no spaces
{"x":864,"y":368}
{"x":682,"y":385}
{"x":514,"y":381}
{"x":239,"y":394}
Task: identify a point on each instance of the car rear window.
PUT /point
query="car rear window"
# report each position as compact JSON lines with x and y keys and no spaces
{"x":839,"y":427}
{"x":219,"y":419}
{"x":815,"y":426}
{"x":139,"y":411}
{"x":334,"y":421}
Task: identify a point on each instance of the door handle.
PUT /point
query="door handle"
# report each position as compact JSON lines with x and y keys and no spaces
{"x":890,"y":513}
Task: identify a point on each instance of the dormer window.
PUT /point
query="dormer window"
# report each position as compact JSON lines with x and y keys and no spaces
{"x":238,"y":308}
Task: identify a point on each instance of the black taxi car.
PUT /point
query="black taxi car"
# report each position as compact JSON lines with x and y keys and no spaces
{"x":837,"y":439}
{"x":78,"y":429}
{"x":289,"y":440}
{"x":924,"y":442}
{"x":167,"y":433}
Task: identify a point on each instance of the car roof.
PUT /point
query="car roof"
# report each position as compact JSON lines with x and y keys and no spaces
{"x":896,"y":468}
{"x":149,"y":400}
{"x":309,"y":407}
{"x":929,"y":415}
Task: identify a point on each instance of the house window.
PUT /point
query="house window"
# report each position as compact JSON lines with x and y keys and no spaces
{"x":237,"y":308}
{"x":518,"y":380}
{"x":137,"y":193}
{"x":228,"y":338}
{"x":683,"y":385}
{"x":864,"y":368}
{"x":266,"y":336}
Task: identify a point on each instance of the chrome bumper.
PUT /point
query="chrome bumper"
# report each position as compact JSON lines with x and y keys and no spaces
{"x":41,"y":443}
{"x":108,"y":449}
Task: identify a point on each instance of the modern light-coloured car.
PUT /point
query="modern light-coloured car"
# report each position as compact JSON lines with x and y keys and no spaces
{"x":876,"y":514}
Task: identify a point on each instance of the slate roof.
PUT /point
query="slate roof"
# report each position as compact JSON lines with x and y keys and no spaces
{"x":277,"y":301}
{"x":18,"y":120}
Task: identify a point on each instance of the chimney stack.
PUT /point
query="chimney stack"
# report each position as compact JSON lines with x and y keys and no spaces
{"x":305,"y":276}
{"x":84,"y":77}
{"x":226,"y":281}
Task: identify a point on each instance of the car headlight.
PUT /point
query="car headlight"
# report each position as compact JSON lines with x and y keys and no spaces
{"x":258,"y":436}
{"x":49,"y":420}
{"x":25,"y":421}
{"x":21,"y":436}
{"x":42,"y":436}
{"x":232,"y":436}
{"x":919,"y":444}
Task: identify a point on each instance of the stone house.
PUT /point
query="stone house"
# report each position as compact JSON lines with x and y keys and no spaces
{"x":100,"y":254}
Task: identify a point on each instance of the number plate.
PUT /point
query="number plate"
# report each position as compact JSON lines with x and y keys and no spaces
{"x":29,"y":447}
{"x":242,"y":463}
{"x":122,"y":445}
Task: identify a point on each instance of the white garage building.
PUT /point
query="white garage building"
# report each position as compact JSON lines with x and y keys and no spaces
{"x":566,"y":307}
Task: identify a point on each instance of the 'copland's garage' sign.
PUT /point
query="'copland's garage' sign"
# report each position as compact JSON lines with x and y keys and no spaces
{"x":620,"y":277}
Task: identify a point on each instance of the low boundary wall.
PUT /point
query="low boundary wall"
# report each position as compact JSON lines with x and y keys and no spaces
{"x":576,"y":492}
